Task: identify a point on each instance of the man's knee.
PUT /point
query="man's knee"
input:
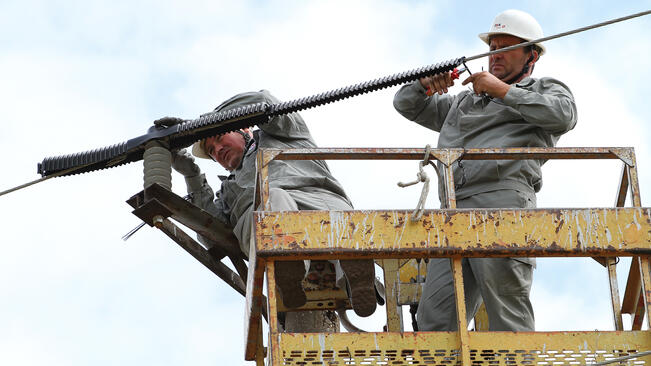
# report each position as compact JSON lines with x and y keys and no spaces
{"x":280,"y":200}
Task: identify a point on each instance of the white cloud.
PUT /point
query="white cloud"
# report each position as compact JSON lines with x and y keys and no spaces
{"x":78,"y":76}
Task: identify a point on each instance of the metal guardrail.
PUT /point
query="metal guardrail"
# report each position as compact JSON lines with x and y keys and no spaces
{"x":605,"y":233}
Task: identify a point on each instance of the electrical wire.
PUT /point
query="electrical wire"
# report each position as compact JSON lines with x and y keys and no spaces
{"x":506,"y":49}
{"x":42,"y":179}
{"x":559,"y":35}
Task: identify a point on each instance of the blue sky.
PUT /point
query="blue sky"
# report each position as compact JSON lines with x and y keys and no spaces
{"x":77,"y":75}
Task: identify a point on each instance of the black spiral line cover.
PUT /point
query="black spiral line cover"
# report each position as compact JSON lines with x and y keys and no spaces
{"x":177,"y":136}
{"x":362,"y":88}
{"x":214,"y":123}
{"x":85,"y":160}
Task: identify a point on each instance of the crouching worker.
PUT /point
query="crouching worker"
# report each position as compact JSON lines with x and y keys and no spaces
{"x":293,"y":185}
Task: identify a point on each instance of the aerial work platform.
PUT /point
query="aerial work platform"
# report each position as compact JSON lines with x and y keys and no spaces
{"x":392,"y":238}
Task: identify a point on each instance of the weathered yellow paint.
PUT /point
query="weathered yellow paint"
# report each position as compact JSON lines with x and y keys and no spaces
{"x":394,"y":314}
{"x":452,"y":233}
{"x":328,"y":299}
{"x":362,"y":349}
{"x":410,"y":270}
{"x":384,"y":234}
{"x":409,"y":293}
{"x":409,"y":289}
{"x":494,"y":348}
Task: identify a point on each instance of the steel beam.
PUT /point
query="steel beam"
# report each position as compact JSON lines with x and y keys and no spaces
{"x":445,"y":233}
{"x":161,"y":201}
{"x":447,"y":156}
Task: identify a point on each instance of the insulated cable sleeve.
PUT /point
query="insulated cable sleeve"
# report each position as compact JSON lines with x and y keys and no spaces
{"x":217,"y":123}
{"x":214,"y":123}
{"x":362,"y":88}
{"x":178,"y":136}
{"x":87,"y":159}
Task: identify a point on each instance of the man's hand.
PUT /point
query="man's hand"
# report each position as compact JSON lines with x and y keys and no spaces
{"x":168,"y":121}
{"x":438,"y":83}
{"x":184,"y":163}
{"x":485,"y":82}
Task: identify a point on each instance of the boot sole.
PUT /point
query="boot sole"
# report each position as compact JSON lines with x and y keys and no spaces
{"x":289,"y":279}
{"x":360,"y":275}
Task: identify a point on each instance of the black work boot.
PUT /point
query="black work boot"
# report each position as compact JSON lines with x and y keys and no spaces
{"x":360,"y":275}
{"x":289,"y":279}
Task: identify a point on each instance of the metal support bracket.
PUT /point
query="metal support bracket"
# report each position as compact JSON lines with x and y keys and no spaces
{"x":167,"y":204}
{"x":624,"y":154}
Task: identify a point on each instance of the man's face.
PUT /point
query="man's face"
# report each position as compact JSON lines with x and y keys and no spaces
{"x":227,"y":149}
{"x":506,"y":65}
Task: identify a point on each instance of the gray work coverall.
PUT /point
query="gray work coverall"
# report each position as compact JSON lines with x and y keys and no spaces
{"x":293,"y":184}
{"x":534,"y":113}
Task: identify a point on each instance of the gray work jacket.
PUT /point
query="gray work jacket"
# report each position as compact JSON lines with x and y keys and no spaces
{"x":236,"y":196}
{"x":534,"y":113}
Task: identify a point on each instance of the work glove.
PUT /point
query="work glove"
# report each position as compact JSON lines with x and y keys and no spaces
{"x":168,"y":121}
{"x":198,"y":187}
{"x":183,"y":162}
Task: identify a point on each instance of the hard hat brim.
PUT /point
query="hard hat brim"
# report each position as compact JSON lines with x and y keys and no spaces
{"x":487,"y":35}
{"x":197,"y":150}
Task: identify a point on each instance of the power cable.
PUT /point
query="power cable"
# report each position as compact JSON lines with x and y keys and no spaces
{"x":188,"y":129}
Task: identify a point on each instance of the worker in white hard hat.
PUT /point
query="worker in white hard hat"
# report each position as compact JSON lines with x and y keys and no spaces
{"x":293,"y":185}
{"x":506,"y":108}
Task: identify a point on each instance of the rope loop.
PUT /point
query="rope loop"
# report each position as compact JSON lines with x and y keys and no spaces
{"x":421,"y":176}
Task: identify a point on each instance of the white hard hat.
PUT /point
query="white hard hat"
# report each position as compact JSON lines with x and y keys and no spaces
{"x":516,"y":23}
{"x":198,"y":151}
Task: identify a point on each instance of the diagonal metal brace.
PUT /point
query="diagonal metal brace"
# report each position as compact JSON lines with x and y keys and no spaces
{"x":167,"y":204}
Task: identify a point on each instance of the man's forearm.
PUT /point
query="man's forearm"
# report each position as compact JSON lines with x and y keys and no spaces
{"x":552,"y":109}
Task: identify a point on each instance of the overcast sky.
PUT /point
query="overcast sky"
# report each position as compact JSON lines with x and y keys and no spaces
{"x":78,"y":75}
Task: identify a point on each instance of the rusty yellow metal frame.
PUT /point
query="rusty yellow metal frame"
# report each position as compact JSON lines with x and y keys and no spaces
{"x":460,"y":232}
{"x":388,"y":235}
{"x":443,"y":348}
{"x":391,"y":269}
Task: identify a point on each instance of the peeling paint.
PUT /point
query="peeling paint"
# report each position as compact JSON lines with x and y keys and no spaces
{"x":588,"y":227}
{"x":527,"y":232}
{"x":579,"y":234}
{"x":398,"y":238}
{"x":322,"y":344}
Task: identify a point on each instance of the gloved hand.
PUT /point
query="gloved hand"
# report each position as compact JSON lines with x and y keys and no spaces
{"x":168,"y":121}
{"x":183,"y":162}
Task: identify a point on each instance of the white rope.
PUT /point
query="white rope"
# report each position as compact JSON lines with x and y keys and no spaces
{"x":421,"y":176}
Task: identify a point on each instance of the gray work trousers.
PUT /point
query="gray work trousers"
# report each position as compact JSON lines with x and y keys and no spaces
{"x":503,"y":284}
{"x":291,"y":200}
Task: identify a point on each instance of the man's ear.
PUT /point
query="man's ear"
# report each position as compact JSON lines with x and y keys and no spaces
{"x":534,"y":55}
{"x":531,"y":61}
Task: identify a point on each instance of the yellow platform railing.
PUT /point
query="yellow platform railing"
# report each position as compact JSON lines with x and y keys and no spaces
{"x":391,"y":238}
